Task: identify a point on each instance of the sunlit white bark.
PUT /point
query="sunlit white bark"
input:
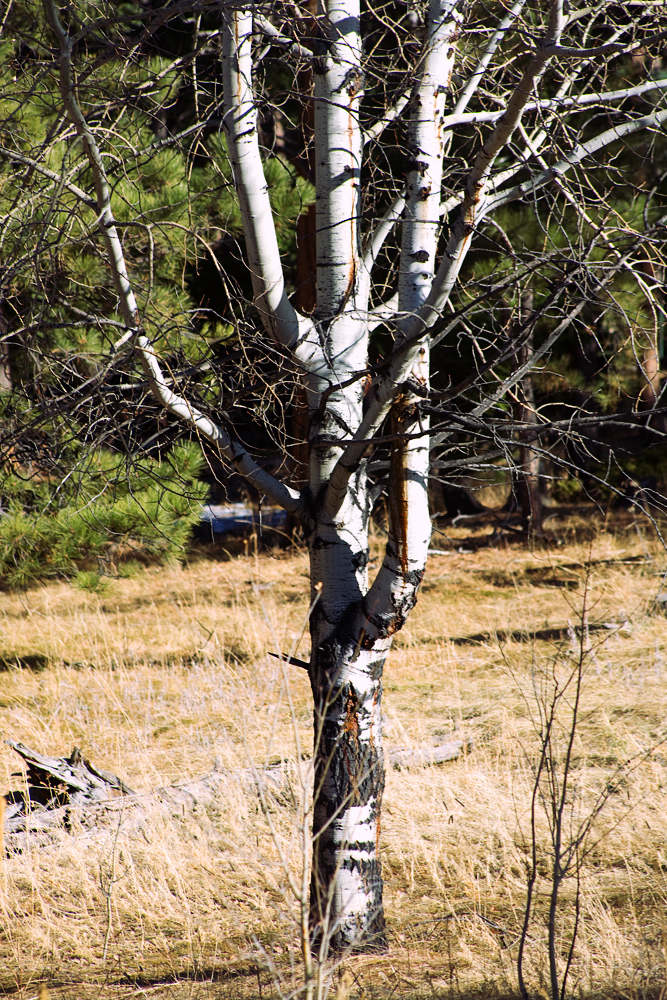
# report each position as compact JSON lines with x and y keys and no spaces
{"x":278,"y":314}
{"x":474,"y":199}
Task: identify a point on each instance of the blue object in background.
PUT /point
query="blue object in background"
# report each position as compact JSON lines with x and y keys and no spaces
{"x":240,"y":518}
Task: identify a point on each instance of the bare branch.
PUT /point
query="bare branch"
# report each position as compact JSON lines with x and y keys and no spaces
{"x":278,"y":315}
{"x":476,"y":76}
{"x":383,"y":230}
{"x":384,"y":313}
{"x":544,"y":348}
{"x":579,"y":153}
{"x":556,"y":104}
{"x":9,"y":154}
{"x":375,"y":131}
{"x":614,"y":48}
{"x":231,"y":450}
{"x":277,"y":38}
{"x":474,"y":198}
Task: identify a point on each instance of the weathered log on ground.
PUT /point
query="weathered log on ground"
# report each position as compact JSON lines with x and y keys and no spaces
{"x":57,"y":781}
{"x":70,"y":794}
{"x":423,"y":756}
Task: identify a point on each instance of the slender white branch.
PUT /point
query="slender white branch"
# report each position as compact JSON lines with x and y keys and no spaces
{"x":614,"y":48}
{"x":537,"y":138}
{"x":474,"y":199}
{"x":421,"y":223}
{"x":231,"y":450}
{"x":342,"y":281}
{"x":493,"y":43}
{"x":338,"y":140}
{"x":394,"y":589}
{"x":127,"y":301}
{"x":556,"y":104}
{"x":383,"y":313}
{"x":383,"y":230}
{"x":375,"y":131}
{"x":51,"y":174}
{"x":278,"y":315}
{"x":579,"y":153}
{"x":277,"y":38}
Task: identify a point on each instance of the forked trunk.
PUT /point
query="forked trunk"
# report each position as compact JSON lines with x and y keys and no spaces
{"x":352,"y":626}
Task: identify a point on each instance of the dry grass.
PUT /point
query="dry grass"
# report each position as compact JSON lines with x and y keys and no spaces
{"x":167,"y":671}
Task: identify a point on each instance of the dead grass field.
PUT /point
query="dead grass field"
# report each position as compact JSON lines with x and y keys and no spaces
{"x":167,"y":671}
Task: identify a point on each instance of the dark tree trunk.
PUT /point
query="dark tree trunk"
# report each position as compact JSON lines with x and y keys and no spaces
{"x":527,"y":478}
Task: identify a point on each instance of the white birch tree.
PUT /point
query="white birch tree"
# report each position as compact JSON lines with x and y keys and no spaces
{"x":495,"y":110}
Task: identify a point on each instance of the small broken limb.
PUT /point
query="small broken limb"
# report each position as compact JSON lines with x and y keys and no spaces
{"x":293,"y":660}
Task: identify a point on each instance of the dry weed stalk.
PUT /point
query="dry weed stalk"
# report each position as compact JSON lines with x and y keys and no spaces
{"x":557,"y":792}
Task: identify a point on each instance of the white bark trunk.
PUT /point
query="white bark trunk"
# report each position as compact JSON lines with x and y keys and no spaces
{"x":394,"y":590}
{"x":346,"y":886}
{"x":352,"y":629}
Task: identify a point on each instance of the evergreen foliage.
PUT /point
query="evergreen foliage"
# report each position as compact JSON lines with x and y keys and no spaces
{"x":107,"y":512}
{"x":149,"y":83}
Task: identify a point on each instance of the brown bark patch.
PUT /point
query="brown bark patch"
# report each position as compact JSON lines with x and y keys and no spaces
{"x":398,"y":484}
{"x":351,"y":724}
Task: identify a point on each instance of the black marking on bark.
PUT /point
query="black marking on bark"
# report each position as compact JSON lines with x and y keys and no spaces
{"x":349,"y":770}
{"x":360,"y":559}
{"x":420,"y":166}
{"x":321,"y":543}
{"x":376,"y":667}
{"x":414,"y":577}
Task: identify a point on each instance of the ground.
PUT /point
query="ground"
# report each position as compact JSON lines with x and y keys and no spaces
{"x":162,"y":673}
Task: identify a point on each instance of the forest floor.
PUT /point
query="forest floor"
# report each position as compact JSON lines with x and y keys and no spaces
{"x":156,"y":676}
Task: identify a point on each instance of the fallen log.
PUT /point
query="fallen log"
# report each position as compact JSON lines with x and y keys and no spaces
{"x":70,"y":794}
{"x":422,"y":756}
